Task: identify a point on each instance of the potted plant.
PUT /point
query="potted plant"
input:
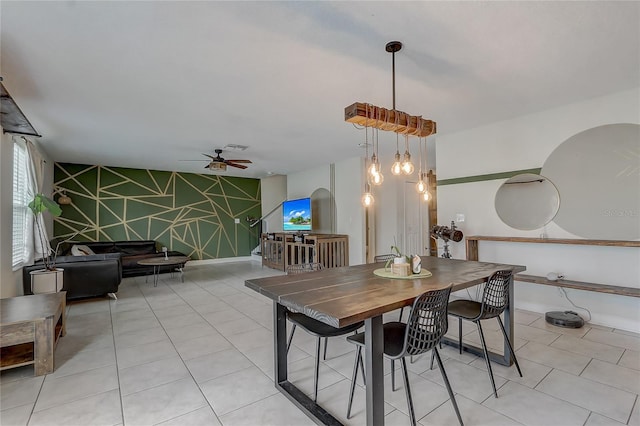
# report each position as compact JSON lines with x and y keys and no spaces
{"x":49,"y":279}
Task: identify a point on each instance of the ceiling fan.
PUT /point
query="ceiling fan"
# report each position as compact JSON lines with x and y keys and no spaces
{"x":220,"y":163}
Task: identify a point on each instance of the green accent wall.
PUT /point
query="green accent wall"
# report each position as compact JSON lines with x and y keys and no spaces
{"x":491,"y":176}
{"x":188,"y":212}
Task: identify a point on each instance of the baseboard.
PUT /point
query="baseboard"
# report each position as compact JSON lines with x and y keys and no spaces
{"x":223,"y":260}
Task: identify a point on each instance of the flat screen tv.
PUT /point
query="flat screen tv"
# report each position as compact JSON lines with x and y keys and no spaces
{"x":296,"y":215}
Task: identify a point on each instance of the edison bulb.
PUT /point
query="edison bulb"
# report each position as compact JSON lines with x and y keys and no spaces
{"x":421,"y":186}
{"x":407,"y":165}
{"x":426,"y":196}
{"x":373,"y":168}
{"x":367,"y":199}
{"x":377,"y":179}
{"x":396,"y":167}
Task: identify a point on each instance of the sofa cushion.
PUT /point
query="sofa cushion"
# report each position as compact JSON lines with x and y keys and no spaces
{"x":81,"y":250}
{"x":101,"y":247}
{"x":136,"y":247}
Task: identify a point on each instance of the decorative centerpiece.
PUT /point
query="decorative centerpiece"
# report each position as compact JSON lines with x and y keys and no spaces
{"x":403,"y":265}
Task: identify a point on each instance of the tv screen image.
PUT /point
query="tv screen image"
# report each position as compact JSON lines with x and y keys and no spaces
{"x":296,"y":215}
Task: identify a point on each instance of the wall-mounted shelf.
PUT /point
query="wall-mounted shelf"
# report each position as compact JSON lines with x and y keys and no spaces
{"x":472,"y":254}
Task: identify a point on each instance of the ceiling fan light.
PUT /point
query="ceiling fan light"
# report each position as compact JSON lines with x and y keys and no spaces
{"x":217,"y":166}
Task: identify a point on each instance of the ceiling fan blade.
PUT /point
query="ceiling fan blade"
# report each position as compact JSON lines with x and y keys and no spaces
{"x":240,"y":166}
{"x":207,"y":166}
{"x":207,"y":155}
{"x":240,"y":161}
{"x":203,"y":159}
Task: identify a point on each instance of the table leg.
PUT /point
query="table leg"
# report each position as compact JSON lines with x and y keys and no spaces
{"x":288,"y":389}
{"x":280,"y":343}
{"x":374,"y":346}
{"x":509,"y":325}
{"x":43,"y":346}
{"x":156,"y":273}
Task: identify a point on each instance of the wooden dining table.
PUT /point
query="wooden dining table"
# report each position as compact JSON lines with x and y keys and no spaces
{"x":343,"y":296}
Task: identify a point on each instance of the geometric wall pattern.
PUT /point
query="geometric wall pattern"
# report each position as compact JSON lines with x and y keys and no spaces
{"x":188,"y":212}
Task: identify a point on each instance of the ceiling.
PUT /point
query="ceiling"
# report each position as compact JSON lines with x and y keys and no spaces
{"x":148,"y":84}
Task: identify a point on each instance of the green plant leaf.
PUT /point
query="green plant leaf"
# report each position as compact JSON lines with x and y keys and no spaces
{"x":42,"y":203}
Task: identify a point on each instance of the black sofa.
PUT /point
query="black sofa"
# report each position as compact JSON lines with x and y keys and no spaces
{"x":130,"y":253}
{"x":84,"y":276}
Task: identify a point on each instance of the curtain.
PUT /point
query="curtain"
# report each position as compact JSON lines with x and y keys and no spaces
{"x":36,"y":234}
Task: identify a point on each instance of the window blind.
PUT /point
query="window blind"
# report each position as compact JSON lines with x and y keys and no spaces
{"x":20,"y":204}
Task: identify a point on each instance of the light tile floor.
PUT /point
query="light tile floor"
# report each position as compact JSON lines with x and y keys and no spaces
{"x":200,"y":353}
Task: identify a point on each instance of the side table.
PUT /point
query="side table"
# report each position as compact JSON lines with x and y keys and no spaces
{"x":157,"y":262}
{"x":30,"y":327}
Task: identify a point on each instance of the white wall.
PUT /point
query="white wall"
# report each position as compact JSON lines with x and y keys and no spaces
{"x":273,"y":191}
{"x":349,"y":211}
{"x":522,"y":143}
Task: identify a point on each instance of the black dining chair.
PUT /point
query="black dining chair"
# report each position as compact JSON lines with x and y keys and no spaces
{"x":495,"y":298}
{"x":314,"y":327}
{"x":303,"y":268}
{"x":427,"y":323}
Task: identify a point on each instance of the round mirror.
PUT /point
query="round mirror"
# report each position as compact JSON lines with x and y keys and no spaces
{"x":597,"y":171}
{"x":527,"y":201}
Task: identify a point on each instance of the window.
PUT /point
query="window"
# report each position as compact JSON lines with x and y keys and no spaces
{"x":20,"y":204}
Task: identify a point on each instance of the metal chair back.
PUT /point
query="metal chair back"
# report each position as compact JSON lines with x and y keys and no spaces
{"x":303,"y":268}
{"x":427,"y":322}
{"x":495,"y":297}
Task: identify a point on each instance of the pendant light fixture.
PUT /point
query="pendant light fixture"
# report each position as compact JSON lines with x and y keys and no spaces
{"x":375,"y":172}
{"x":367,"y":198}
{"x":379,"y":118}
{"x":421,"y":186}
{"x":407,"y":165}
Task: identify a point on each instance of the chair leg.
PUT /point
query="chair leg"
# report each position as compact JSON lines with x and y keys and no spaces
{"x":401,"y":311}
{"x":293,"y":329}
{"x":393,"y":375}
{"x":446,"y":382}
{"x":353,"y":380}
{"x":486,"y":358}
{"x":460,"y":334}
{"x":364,"y":378}
{"x":326,"y":341}
{"x":513,"y":353}
{"x":433,"y":354}
{"x":407,"y":389}
{"x":317,"y":370}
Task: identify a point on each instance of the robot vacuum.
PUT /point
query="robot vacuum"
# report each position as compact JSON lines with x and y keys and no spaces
{"x":567,"y":319}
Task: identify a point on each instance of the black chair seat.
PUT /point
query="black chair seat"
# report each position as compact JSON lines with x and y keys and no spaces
{"x":468,"y":309}
{"x":318,"y":328}
{"x":393,"y":338}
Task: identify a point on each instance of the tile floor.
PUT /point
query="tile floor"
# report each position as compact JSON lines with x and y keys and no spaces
{"x":200,"y":353}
